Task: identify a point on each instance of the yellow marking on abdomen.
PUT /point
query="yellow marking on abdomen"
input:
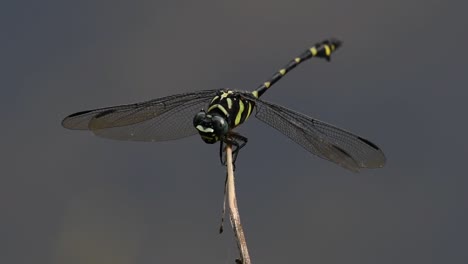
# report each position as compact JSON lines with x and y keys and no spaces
{"x":239,"y":113}
{"x":313,"y":50}
{"x":297,"y":60}
{"x":327,"y":50}
{"x":255,"y":94}
{"x":282,"y":71}
{"x":267,"y":84}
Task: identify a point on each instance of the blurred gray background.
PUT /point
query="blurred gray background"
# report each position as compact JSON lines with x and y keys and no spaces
{"x":400,"y":80}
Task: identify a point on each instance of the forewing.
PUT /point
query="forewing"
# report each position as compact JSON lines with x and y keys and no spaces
{"x":324,"y":140}
{"x":160,"y":119}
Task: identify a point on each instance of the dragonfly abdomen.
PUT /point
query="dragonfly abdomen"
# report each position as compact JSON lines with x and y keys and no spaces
{"x":322,"y":49}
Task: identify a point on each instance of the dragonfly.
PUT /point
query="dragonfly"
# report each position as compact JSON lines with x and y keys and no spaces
{"x":214,"y":114}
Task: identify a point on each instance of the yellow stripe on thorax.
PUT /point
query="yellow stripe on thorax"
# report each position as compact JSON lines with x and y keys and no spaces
{"x":225,"y":95}
{"x":249,"y":111}
{"x":216,"y":97}
{"x":239,"y":113}
{"x":220,"y":107}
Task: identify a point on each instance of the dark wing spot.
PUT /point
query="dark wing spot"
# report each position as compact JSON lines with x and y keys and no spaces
{"x":80,"y":113}
{"x":369,"y":143}
{"x":107,"y":112}
{"x":343,"y":151}
{"x":338,"y":43}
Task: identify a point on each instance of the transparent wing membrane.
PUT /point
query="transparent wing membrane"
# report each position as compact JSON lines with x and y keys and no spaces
{"x":324,"y":140}
{"x":161,"y":119}
{"x":172,"y":117}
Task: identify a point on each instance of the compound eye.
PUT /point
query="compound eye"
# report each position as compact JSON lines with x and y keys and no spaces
{"x":220,"y":126}
{"x":199,"y":118}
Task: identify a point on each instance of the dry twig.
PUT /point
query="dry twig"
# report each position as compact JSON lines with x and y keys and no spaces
{"x":234,"y":211}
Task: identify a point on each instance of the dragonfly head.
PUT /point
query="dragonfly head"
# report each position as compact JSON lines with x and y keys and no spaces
{"x":211,"y":128}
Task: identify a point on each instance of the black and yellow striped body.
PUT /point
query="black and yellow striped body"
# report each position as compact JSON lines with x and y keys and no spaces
{"x":232,"y":106}
{"x":229,"y":109}
{"x":322,"y":49}
{"x":216,"y":114}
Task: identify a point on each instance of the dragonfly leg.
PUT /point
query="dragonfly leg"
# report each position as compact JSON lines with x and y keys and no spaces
{"x":237,"y":141}
{"x":221,"y":153}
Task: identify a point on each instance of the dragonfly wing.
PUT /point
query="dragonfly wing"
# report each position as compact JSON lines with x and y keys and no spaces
{"x":324,"y":140}
{"x":160,"y":119}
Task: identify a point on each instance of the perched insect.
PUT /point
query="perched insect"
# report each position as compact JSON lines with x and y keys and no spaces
{"x":215,"y":113}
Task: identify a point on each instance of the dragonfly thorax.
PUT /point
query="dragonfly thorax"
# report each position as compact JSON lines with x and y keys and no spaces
{"x":211,"y":127}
